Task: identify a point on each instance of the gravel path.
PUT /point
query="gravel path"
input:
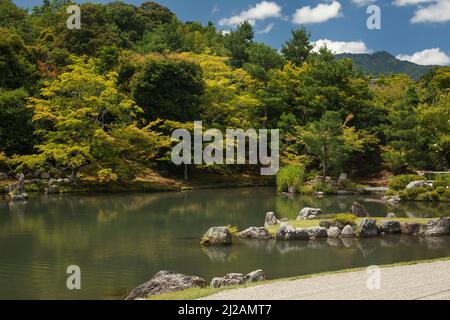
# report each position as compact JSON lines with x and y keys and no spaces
{"x":410,"y":282}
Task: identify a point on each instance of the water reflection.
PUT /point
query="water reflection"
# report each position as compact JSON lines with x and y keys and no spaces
{"x":121,"y":240}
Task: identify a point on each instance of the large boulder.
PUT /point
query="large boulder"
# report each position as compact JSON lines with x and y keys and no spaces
{"x":51,"y":189}
{"x":439,"y":227}
{"x":317,"y":232}
{"x":390,"y":226}
{"x":271,"y":219}
{"x":347,"y":232}
{"x":216,"y":236}
{"x":333,"y":232}
{"x":229,"y":279}
{"x":286,"y":232}
{"x":368,"y":228}
{"x":417,"y":184}
{"x":254,"y":276}
{"x":358,"y":210}
{"x":410,"y":227}
{"x":165,"y":281}
{"x":309,"y":213}
{"x":255,"y":233}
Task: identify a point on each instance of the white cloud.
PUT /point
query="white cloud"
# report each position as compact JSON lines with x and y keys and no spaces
{"x":267,"y":29}
{"x":401,"y":3}
{"x":436,"y":12}
{"x":341,"y":46}
{"x":321,"y":13}
{"x":361,"y":3}
{"x":427,"y":57}
{"x":261,"y":11}
{"x":215,"y":9}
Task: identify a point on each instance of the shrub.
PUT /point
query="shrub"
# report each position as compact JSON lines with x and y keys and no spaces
{"x":412,"y":194}
{"x":434,"y":196}
{"x":290,"y":176}
{"x":401,"y":181}
{"x":324,"y":187}
{"x":440,"y":183}
{"x":440,"y":190}
{"x":106,"y":175}
{"x":346,"y":218}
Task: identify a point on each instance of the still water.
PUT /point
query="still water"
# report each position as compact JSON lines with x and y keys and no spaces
{"x":121,"y":240}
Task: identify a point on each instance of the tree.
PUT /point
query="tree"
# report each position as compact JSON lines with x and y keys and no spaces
{"x":83,"y":120}
{"x":325,"y":140}
{"x":298,"y":47}
{"x":262,"y":59}
{"x":237,"y":43}
{"x":17,"y":68}
{"x":16,"y":130}
{"x":227,"y":99}
{"x":168,"y":87}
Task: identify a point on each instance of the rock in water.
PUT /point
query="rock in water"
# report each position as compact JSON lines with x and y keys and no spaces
{"x":333,"y":232}
{"x":228,"y":280}
{"x":286,"y":232}
{"x":439,"y":227}
{"x":347,"y":232}
{"x":309,"y":213}
{"x":255,"y":233}
{"x":358,"y":210}
{"x":391,"y":215}
{"x":216,"y":236}
{"x":391,"y":226}
{"x":317,"y":232}
{"x":257,"y":275}
{"x":271,"y":220}
{"x":166,"y":281}
{"x":368,"y":228}
{"x":410,"y":228}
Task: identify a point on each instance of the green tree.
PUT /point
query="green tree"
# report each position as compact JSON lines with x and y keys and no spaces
{"x":168,"y":87}
{"x":16,"y":129}
{"x":237,"y":43}
{"x":84,"y":121}
{"x":298,"y":47}
{"x":325,"y":140}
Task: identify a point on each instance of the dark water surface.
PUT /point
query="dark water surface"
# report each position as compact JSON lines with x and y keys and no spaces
{"x":121,"y":240}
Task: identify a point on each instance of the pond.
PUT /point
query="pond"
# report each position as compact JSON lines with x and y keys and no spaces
{"x":121,"y":240}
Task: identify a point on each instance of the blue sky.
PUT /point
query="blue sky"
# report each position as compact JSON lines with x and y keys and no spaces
{"x":415,"y":30}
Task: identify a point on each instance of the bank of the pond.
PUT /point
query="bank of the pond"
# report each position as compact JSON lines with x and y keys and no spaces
{"x":149,"y":183}
{"x":242,"y":292}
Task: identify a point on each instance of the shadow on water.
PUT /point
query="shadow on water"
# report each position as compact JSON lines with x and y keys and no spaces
{"x":121,"y":240}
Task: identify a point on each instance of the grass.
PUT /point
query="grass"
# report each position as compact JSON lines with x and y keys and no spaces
{"x":197,"y":293}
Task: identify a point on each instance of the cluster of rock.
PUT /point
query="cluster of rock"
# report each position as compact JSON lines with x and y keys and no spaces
{"x":168,"y":281}
{"x":233,"y":279}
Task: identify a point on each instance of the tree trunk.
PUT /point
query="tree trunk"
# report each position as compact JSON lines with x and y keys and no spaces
{"x":324,"y":163}
{"x":186,"y":172}
{"x":73,"y":176}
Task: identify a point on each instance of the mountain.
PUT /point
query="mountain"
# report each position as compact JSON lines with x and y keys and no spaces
{"x":383,"y":62}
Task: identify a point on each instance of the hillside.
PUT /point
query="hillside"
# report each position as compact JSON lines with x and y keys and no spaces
{"x":383,"y":62}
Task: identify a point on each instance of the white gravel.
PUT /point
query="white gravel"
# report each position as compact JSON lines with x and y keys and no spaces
{"x":410,"y":282}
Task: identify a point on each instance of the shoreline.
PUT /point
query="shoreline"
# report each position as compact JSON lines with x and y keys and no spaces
{"x":205,"y":293}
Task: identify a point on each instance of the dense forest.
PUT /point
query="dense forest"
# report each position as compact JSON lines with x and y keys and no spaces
{"x":104,"y":99}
